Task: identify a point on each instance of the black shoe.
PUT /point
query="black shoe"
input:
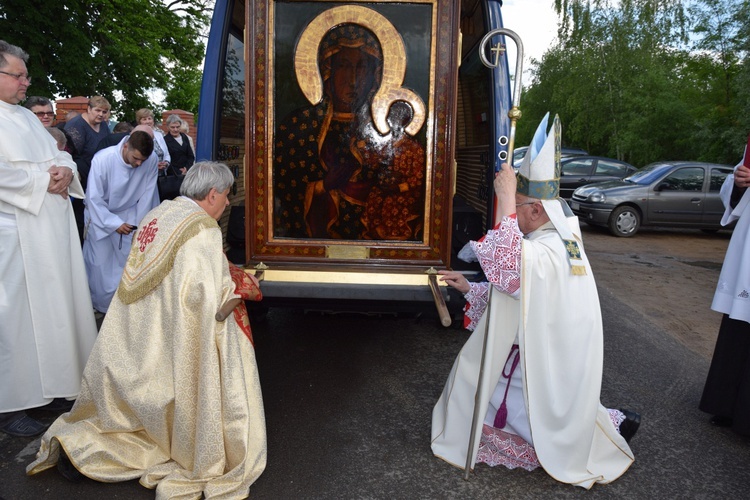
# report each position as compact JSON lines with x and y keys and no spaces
{"x":66,"y":468}
{"x":24,"y":426}
{"x":630,"y":425}
{"x":721,"y":421}
{"x":58,"y":405}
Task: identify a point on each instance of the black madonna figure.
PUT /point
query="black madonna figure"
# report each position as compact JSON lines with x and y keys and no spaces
{"x":335,"y":176}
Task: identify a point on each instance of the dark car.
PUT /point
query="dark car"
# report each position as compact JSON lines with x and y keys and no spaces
{"x":671,"y":194}
{"x":578,"y":171}
{"x":519,"y":153}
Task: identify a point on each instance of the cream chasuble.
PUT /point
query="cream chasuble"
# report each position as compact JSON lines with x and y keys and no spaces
{"x":169,"y":395}
{"x":572,"y":433}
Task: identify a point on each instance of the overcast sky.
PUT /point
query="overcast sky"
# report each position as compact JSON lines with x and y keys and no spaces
{"x":535,"y":21}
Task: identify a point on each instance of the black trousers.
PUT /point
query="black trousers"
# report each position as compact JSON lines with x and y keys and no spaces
{"x":78,"y":213}
{"x":727,"y":389}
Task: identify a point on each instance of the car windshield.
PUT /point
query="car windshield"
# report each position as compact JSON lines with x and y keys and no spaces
{"x":648,"y":174}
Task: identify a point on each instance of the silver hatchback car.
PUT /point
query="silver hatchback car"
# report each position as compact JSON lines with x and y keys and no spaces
{"x":669,"y":194}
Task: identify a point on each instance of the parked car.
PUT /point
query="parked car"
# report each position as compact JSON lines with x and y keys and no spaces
{"x":577,"y":171}
{"x":670,"y":194}
{"x":519,"y":153}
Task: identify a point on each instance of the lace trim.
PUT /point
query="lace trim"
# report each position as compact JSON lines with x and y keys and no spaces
{"x":476,"y":303}
{"x":617,"y":417}
{"x":499,"y":253}
{"x":497,"y":447}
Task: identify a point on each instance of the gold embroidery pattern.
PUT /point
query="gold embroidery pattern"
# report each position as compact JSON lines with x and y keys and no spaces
{"x":146,"y":269}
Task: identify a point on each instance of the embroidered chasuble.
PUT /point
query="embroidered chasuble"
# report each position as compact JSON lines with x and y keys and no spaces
{"x":170,"y":395}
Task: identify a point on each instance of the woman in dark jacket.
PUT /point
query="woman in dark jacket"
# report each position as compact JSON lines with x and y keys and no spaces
{"x":178,"y":144}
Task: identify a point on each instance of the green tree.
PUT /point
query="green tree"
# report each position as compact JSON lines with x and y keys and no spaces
{"x":609,"y":78}
{"x":121,"y":49}
{"x":647,"y":80}
{"x":719,"y":68}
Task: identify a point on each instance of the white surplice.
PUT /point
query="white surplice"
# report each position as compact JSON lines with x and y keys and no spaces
{"x":557,"y":324}
{"x":116,"y":194}
{"x":732,"y":295}
{"x":47,"y":326}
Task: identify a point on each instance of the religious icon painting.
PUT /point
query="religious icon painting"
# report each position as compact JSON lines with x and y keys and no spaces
{"x":348,"y":130}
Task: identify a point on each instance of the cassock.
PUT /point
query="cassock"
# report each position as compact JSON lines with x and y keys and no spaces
{"x":556,"y":323}
{"x":47,"y":326}
{"x":170,"y":395}
{"x":116,"y":194}
{"x":727,"y":389}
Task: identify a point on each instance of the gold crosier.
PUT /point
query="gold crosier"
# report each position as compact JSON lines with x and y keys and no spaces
{"x":394,"y":63}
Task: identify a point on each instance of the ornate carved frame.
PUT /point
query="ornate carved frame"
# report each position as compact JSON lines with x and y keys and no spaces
{"x":262,"y":38}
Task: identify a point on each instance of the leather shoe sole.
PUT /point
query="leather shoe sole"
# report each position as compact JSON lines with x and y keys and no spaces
{"x":24,"y":426}
{"x":630,"y":425}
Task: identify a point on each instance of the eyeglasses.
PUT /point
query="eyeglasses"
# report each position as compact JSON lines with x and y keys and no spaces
{"x":525,"y":203}
{"x":18,"y":76}
{"x":42,"y":114}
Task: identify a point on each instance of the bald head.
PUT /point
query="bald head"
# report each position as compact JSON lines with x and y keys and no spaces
{"x":144,"y":128}
{"x":530,"y":213}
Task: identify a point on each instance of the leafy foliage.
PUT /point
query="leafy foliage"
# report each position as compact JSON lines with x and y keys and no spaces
{"x":121,"y":49}
{"x":645,"y":80}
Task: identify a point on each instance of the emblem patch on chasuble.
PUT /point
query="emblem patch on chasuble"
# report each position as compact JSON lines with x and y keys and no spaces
{"x":151,"y":260}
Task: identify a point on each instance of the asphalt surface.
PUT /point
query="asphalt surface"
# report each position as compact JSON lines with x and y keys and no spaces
{"x":348,"y":400}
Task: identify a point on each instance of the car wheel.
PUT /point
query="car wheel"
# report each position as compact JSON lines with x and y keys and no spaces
{"x":624,"y":221}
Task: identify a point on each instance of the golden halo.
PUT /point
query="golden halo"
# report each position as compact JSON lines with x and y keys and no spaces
{"x":394,"y":63}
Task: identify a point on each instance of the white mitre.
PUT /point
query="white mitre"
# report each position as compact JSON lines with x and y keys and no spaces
{"x":539,"y":177}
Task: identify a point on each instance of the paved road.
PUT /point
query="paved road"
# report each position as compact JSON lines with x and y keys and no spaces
{"x":348,"y":400}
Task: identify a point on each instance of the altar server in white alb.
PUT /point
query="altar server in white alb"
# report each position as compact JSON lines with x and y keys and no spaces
{"x":121,"y":190}
{"x":47,"y":326}
{"x":540,"y":387}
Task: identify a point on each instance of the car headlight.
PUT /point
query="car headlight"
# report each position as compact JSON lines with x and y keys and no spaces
{"x":597,"y":197}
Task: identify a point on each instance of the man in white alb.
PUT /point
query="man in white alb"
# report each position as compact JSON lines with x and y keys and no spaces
{"x":121,"y":190}
{"x":47,"y":326}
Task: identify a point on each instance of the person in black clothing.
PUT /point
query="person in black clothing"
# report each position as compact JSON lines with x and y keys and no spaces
{"x":84,"y":133}
{"x":178,"y":144}
{"x":121,"y":130}
{"x":726,"y":394}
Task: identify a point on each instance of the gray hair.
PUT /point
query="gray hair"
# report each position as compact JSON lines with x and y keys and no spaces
{"x":173,"y":118}
{"x":204,"y":176}
{"x":36,"y":100}
{"x":7,"y":49}
{"x":59,"y":136}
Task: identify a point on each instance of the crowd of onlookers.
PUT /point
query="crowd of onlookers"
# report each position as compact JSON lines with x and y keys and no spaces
{"x":117,"y":195}
{"x":84,"y":134}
